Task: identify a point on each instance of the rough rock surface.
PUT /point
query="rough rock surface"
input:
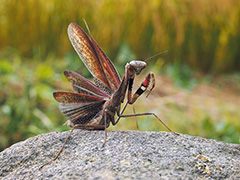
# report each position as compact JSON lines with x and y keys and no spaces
{"x":126,"y":155}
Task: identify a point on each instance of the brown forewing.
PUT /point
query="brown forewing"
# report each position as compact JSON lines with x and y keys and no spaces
{"x":69,"y":97}
{"x":108,"y":67}
{"x":86,"y":51}
{"x":84,"y":86}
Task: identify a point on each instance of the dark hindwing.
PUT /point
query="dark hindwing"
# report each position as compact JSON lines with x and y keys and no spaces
{"x":81,"y":113}
{"x":80,"y":108}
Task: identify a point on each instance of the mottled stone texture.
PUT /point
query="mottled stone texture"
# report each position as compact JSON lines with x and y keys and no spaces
{"x":126,"y":155}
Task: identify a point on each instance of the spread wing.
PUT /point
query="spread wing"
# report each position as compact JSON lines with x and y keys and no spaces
{"x":79,"y":108}
{"x":84,"y":86}
{"x":105,"y":75}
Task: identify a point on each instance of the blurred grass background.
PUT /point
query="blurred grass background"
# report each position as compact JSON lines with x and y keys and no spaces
{"x":198,"y":80}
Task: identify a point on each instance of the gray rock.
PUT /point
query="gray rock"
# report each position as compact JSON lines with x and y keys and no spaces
{"x":126,"y":155}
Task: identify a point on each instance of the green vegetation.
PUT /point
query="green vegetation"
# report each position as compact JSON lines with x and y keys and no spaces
{"x":198,"y":93}
{"x":203,"y":34}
